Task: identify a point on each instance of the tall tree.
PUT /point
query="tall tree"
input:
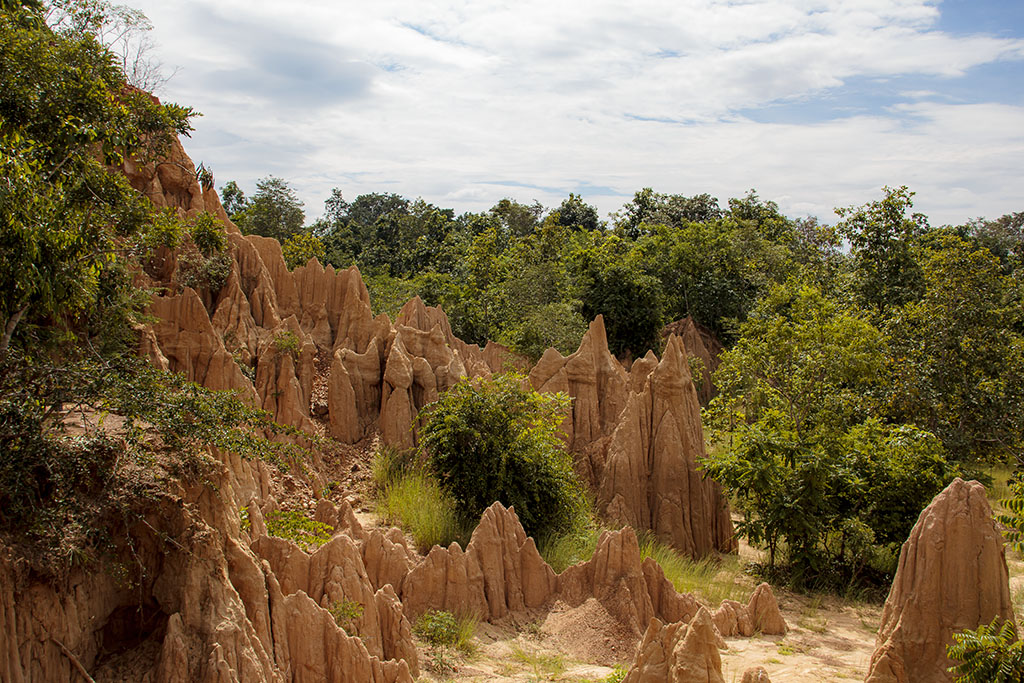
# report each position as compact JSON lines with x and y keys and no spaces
{"x":273,"y":211}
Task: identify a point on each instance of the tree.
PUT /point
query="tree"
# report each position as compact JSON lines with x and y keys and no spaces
{"x":67,"y":115}
{"x":300,"y":248}
{"x":576,"y":214}
{"x":629,"y":299}
{"x":233,"y":199}
{"x":958,"y":367}
{"x":819,"y":480}
{"x":492,"y":440}
{"x":882,"y":237}
{"x":274,"y":211}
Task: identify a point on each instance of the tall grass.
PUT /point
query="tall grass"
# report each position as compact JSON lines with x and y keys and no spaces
{"x":712,"y":578}
{"x":566,"y":549}
{"x":410,"y":497}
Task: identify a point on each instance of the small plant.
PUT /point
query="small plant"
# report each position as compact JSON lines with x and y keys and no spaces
{"x":202,"y":272}
{"x":296,"y":527}
{"x":243,"y":516}
{"x":346,"y":613}
{"x":288,"y":342}
{"x":991,"y":654}
{"x":617,"y":675}
{"x":440,"y":628}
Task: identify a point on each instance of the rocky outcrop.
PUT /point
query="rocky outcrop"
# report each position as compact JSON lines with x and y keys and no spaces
{"x":756,"y":674}
{"x":679,"y":652}
{"x":652,"y":478}
{"x":500,"y":572}
{"x":185,"y":337}
{"x":952,"y":576}
{"x":700,"y":343}
{"x":760,"y":615}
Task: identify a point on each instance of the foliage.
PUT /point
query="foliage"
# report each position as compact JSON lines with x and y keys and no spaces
{"x":881,"y":237}
{"x":273,"y":211}
{"x":817,"y":478}
{"x":66,"y":115}
{"x":346,"y":613}
{"x":958,"y":361}
{"x":300,"y":248}
{"x":492,"y":440}
{"x":629,"y":300}
{"x":990,"y":654}
{"x":441,"y":628}
{"x":295,"y":526}
{"x":204,"y":273}
{"x":207,"y":234}
{"x":59,"y":481}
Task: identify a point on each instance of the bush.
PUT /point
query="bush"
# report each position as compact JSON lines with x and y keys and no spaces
{"x":346,"y":613}
{"x":208,"y":234}
{"x":492,"y":440}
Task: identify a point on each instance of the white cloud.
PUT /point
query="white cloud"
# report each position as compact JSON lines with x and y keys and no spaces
{"x":446,"y":99}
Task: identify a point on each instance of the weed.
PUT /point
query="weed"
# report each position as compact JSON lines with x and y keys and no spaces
{"x":295,"y":526}
{"x":346,"y":613}
{"x":442,"y":661}
{"x":288,"y":342}
{"x":545,"y":667}
{"x":243,"y":516}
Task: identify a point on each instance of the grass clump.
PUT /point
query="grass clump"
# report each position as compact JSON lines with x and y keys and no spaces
{"x":409,"y":496}
{"x":346,"y":613}
{"x":544,"y":666}
{"x":712,"y":578}
{"x":563,"y":550}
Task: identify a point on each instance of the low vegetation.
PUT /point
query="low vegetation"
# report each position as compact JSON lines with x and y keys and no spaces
{"x":297,"y":527}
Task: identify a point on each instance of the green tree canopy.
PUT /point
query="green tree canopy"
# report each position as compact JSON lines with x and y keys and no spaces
{"x":273,"y":211}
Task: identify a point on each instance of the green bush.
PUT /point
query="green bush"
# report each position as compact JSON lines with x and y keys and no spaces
{"x":440,"y":628}
{"x":991,"y":654}
{"x":492,"y":440}
{"x":208,"y":234}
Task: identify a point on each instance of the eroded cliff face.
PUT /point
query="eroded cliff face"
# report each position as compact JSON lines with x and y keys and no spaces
{"x":209,"y":600}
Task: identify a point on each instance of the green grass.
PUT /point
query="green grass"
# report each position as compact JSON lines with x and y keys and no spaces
{"x":417,"y":504}
{"x":712,"y":578}
{"x":564,"y":550}
{"x":1000,"y":488}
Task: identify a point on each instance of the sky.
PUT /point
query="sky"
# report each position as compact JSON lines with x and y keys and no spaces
{"x":816,"y":104}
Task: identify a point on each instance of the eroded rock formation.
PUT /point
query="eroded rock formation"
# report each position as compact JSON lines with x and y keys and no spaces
{"x":679,"y":652}
{"x":652,"y":478}
{"x":952,"y":576}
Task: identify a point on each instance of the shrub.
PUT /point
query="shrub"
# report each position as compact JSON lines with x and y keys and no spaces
{"x":201,"y":272}
{"x":492,"y":440}
{"x":440,"y":628}
{"x":208,"y":234}
{"x":295,"y":526}
{"x":300,"y":248}
{"x":288,"y":342}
